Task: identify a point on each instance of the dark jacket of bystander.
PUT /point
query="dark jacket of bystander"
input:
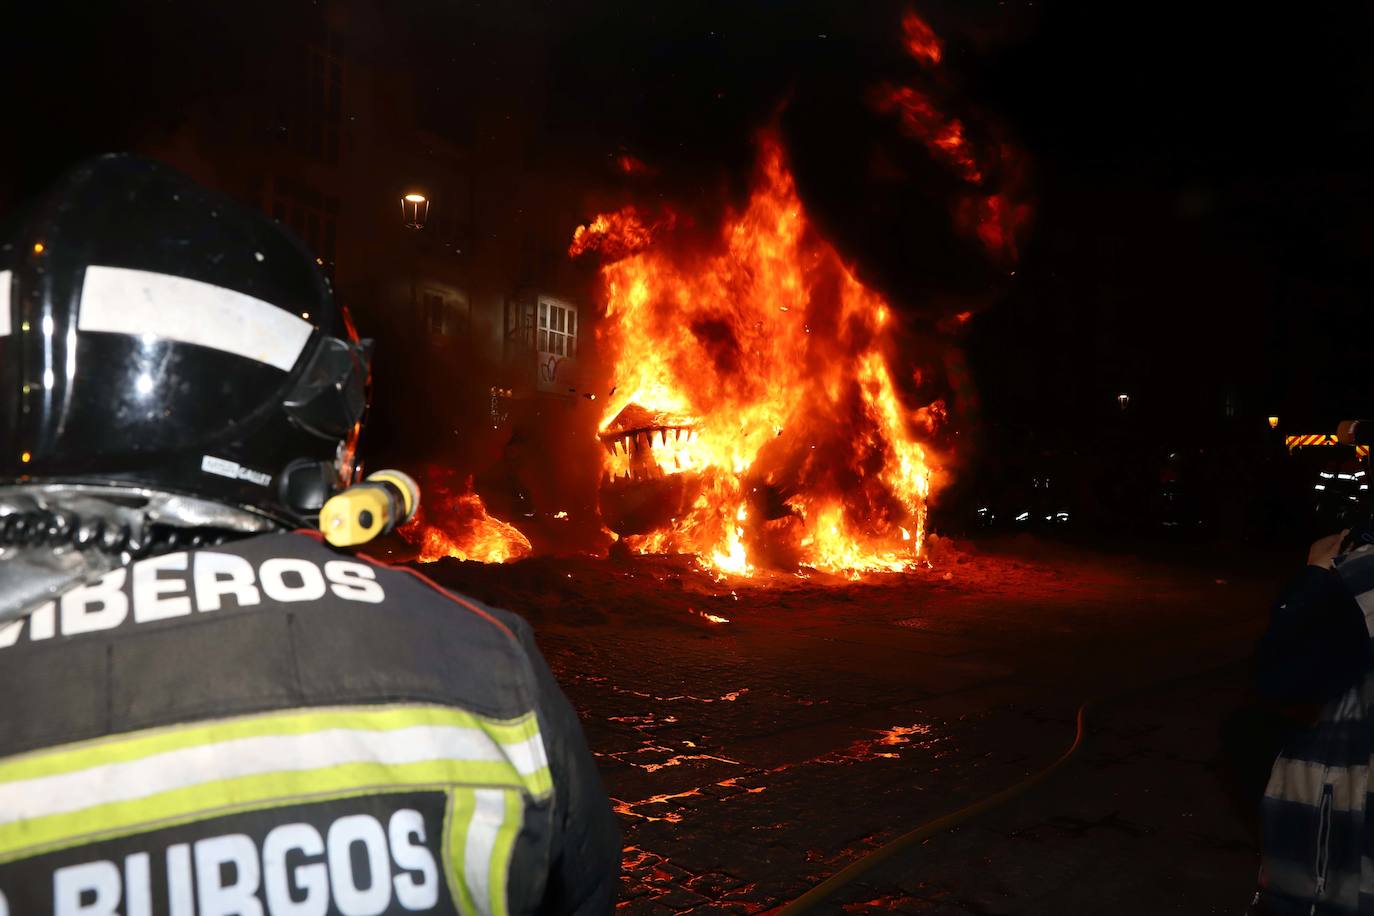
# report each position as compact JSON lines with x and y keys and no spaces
{"x":1317,"y":658}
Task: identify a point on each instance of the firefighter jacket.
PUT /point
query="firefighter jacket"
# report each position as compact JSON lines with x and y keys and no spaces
{"x":273,"y":728}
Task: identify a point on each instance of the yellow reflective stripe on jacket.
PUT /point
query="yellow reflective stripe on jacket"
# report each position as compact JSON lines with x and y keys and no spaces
{"x":501,"y":851}
{"x":462,"y":804}
{"x":132,"y":746}
{"x":483,"y":824}
{"x":127,"y":784}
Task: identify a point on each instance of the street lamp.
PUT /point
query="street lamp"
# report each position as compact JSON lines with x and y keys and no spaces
{"x":1124,"y":400}
{"x":414,"y":210}
{"x":1273,"y":422}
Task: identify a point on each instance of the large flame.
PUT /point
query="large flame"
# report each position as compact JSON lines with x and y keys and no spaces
{"x":761,"y":371}
{"x":461,"y":528}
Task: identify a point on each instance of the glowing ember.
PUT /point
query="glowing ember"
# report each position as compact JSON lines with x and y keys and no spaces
{"x":994,"y":217}
{"x":632,"y":165}
{"x":461,"y":529}
{"x":759,"y":372}
{"x":943,"y":135}
{"x":921,"y":41}
{"x":616,"y":235}
{"x":713,"y":618}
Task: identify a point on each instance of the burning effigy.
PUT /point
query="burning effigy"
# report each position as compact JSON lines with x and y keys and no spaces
{"x":754,"y":394}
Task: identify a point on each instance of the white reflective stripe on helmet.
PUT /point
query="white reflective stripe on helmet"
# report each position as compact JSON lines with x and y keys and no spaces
{"x":120,"y":300}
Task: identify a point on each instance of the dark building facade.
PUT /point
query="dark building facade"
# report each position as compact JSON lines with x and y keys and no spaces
{"x":328,"y":138}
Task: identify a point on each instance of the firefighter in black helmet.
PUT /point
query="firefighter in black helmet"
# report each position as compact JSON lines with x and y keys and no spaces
{"x":206,"y":711}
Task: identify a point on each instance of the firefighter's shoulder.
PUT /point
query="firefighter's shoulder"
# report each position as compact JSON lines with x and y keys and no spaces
{"x":284,"y":619}
{"x":411,"y":637}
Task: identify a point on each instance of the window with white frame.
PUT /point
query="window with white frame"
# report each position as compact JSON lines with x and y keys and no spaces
{"x":557,"y":328}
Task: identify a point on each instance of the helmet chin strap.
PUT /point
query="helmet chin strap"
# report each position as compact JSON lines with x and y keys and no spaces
{"x":55,"y":536}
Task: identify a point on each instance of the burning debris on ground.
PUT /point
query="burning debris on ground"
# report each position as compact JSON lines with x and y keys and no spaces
{"x":452,"y":522}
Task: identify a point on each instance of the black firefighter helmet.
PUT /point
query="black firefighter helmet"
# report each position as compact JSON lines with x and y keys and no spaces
{"x":156,"y":336}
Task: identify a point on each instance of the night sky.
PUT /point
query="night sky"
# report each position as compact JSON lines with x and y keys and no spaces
{"x":1199,"y":172}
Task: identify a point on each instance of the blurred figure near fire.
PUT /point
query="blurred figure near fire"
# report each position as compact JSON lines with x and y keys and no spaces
{"x":209,"y":708}
{"x":1316,"y":663}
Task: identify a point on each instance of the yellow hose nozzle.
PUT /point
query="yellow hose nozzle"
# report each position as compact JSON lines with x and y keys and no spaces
{"x":375,"y":506}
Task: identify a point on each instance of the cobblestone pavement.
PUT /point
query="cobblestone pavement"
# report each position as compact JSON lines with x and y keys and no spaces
{"x":758,"y":738}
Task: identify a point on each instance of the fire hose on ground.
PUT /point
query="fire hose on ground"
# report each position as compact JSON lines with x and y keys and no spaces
{"x":864,"y":864}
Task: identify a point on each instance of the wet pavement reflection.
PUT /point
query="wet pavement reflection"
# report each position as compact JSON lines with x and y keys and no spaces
{"x":751,"y":760}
